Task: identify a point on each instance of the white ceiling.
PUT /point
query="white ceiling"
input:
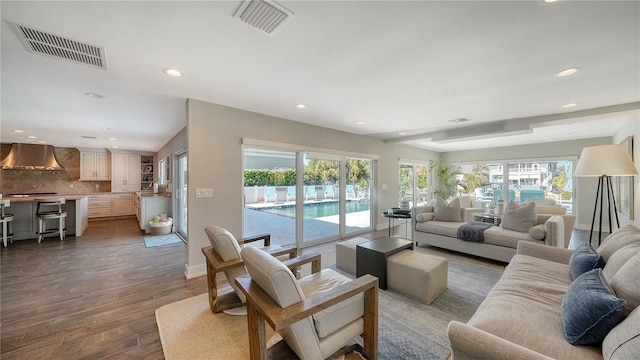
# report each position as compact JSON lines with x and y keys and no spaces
{"x":398,"y":66}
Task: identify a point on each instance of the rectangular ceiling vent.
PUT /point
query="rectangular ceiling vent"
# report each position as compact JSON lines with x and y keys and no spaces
{"x":472,"y":131}
{"x":43,"y":43}
{"x":264,"y":15}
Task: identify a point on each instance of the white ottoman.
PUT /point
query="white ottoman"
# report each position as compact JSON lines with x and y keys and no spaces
{"x":419,"y":276}
{"x":346,"y":254}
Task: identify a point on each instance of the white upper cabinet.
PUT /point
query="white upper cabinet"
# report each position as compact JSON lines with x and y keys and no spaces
{"x":126,"y":172}
{"x":95,"y":165}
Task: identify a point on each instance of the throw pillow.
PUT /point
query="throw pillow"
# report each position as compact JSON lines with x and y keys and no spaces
{"x":537,"y":232}
{"x":626,"y":282}
{"x":583,"y":259}
{"x":623,"y":342}
{"x":519,"y":218}
{"x":618,"y":259}
{"x":422,"y":217}
{"x":619,"y":238}
{"x":590,"y":309}
{"x":447,"y":212}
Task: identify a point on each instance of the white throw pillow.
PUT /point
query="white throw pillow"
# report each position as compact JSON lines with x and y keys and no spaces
{"x":450,"y":212}
{"x":537,"y":232}
{"x":519,"y":218}
{"x":422,"y":217}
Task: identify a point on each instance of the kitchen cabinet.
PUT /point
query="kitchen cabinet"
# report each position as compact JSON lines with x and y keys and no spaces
{"x":95,"y":165}
{"x":126,"y":172}
{"x":150,"y":206}
{"x":106,"y":205}
{"x":25,"y":224}
{"x":122,"y":204}
{"x":99,"y":206}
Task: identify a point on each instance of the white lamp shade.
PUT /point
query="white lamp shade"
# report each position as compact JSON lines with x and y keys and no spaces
{"x":608,"y":160}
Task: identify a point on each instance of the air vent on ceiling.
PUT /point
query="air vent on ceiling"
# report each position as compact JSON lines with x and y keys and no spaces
{"x":89,"y":137}
{"x":472,"y":131}
{"x":264,"y":15}
{"x":459,"y":121}
{"x":43,"y":43}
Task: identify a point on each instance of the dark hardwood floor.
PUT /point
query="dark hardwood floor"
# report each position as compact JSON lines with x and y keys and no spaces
{"x":92,"y":297}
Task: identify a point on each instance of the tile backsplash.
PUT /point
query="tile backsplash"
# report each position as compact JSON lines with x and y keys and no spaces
{"x":62,"y":182}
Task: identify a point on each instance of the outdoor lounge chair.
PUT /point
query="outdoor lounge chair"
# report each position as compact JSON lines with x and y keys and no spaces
{"x":531,"y":194}
{"x":281,"y":195}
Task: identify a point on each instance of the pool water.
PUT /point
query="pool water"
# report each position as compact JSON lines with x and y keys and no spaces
{"x":319,"y":209}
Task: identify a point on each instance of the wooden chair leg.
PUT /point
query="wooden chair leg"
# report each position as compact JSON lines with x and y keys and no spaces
{"x":211,"y":285}
{"x":257,"y":334}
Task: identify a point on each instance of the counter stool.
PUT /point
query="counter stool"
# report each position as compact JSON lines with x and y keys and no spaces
{"x":50,"y":209}
{"x":6,"y":219}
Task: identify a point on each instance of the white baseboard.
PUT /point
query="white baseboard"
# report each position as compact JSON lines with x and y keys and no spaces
{"x":191,"y":272}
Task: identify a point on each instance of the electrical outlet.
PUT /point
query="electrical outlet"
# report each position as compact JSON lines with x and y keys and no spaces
{"x":204,"y":193}
{"x":70,"y":186}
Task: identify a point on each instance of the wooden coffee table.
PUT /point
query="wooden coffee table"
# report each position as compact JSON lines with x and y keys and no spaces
{"x":371,"y":256}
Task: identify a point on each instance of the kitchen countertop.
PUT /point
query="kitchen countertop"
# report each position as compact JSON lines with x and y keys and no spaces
{"x":32,"y":198}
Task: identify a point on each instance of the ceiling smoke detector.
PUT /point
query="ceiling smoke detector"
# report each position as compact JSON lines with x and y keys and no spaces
{"x":264,"y":15}
{"x":460,"y":120}
{"x":40,"y":42}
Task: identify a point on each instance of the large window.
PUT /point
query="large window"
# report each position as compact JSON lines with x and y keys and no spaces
{"x":526,"y":179}
{"x":305,"y":197}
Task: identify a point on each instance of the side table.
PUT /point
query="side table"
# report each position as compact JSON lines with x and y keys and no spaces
{"x":393,"y":216}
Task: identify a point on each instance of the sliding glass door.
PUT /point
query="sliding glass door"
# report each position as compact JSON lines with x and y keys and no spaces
{"x":305,"y":197}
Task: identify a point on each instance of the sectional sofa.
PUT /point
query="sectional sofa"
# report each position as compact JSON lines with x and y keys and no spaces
{"x":540,"y":305}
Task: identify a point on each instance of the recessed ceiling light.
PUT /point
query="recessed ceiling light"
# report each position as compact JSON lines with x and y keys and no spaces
{"x":31,"y":137}
{"x":301,"y":106}
{"x":18,"y":131}
{"x":172,"y":72}
{"x":360,"y":123}
{"x":105,"y":128}
{"x":569,"y":105}
{"x":41,"y":141}
{"x":569,"y":71}
{"x":113,"y":139}
{"x":550,"y":1}
{"x":115,"y":146}
{"x":94,"y":95}
{"x":402,"y":133}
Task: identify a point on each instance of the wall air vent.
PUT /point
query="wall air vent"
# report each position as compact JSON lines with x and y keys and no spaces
{"x":264,"y":15}
{"x":43,"y":43}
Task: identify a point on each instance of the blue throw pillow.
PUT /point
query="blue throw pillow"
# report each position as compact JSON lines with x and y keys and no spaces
{"x":583,"y":259}
{"x":590,"y":309}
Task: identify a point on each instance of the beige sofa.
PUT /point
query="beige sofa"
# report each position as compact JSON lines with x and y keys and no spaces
{"x":521,"y":317}
{"x":499,"y":244}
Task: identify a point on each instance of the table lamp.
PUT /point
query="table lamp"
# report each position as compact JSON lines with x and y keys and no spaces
{"x":604,"y":162}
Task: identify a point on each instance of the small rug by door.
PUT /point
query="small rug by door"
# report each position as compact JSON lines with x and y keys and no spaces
{"x":158,"y":240}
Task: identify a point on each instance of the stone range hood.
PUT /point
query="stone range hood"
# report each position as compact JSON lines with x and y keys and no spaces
{"x":31,"y":157}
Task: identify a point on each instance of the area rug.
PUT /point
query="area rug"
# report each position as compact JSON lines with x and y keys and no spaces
{"x":158,"y":240}
{"x":407,"y":328}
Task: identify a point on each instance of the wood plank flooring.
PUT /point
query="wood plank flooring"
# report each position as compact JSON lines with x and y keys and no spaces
{"x":90,"y":297}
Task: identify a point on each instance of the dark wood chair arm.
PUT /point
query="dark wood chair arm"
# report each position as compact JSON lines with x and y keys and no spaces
{"x":279,"y":318}
{"x":266,"y":237}
{"x":217,"y":262}
{"x":311,"y":257}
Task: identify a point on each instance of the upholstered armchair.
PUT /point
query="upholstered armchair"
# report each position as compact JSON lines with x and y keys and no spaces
{"x":224,"y":256}
{"x":317,"y":316}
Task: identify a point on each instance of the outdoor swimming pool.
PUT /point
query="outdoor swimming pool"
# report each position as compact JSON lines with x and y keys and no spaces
{"x":317,"y":209}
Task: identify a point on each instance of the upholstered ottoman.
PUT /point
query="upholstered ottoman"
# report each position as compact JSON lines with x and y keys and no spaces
{"x":346,"y":254}
{"x":419,"y":276}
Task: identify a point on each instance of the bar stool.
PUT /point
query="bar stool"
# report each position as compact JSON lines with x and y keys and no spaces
{"x":6,"y":219}
{"x":50,"y":209}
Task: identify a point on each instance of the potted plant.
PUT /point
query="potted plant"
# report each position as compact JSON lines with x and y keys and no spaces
{"x":447,"y":178}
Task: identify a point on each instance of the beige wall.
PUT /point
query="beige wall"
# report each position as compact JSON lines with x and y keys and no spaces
{"x":215,"y":136}
{"x":584,"y":187}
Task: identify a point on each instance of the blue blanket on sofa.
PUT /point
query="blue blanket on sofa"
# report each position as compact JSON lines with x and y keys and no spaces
{"x":473,"y":231}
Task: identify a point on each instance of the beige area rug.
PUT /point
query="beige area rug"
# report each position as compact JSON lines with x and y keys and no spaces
{"x":190,"y":331}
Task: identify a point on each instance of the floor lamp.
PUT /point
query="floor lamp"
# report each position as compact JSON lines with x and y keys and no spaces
{"x":604,"y":162}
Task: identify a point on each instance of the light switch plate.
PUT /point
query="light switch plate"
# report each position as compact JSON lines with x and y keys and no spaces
{"x":204,"y":192}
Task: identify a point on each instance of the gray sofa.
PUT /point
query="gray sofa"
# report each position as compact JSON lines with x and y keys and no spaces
{"x":522,"y":316}
{"x":499,"y":244}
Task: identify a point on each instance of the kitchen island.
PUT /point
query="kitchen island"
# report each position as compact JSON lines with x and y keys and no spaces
{"x":25,"y":223}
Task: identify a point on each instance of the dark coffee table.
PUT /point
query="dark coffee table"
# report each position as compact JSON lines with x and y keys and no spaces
{"x":371,"y":256}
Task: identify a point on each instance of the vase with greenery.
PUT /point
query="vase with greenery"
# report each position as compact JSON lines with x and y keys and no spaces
{"x":447,"y":178}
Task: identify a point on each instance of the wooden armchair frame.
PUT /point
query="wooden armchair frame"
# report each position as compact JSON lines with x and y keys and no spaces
{"x":261,"y":307}
{"x":215,"y":265}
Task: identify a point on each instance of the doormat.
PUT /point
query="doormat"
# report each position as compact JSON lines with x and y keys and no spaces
{"x":158,"y":240}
